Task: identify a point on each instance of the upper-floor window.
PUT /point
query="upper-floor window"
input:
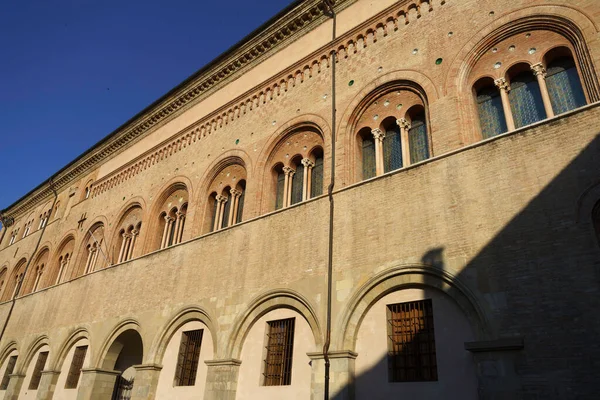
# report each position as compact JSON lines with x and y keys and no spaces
{"x":392,"y":131}
{"x":226,"y":196}
{"x":127,"y":241}
{"x":525,"y":79}
{"x":171,"y":214}
{"x":44,"y":219}
{"x":13,"y":236}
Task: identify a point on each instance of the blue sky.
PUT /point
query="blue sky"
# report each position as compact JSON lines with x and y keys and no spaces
{"x":72,"y":71}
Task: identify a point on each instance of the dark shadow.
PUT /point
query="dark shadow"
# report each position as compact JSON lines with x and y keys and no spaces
{"x":537,"y":279}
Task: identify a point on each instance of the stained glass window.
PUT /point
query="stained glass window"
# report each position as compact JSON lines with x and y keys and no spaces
{"x":316,"y":185}
{"x":368,"y":157}
{"x":526,"y":99}
{"x":418,"y":140}
{"x":280,"y":188}
{"x":297,"y":184}
{"x":491,"y":114}
{"x":564,"y":85}
{"x":392,"y":149}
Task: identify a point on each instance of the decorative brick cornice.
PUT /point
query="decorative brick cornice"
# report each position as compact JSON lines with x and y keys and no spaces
{"x":299,"y":20}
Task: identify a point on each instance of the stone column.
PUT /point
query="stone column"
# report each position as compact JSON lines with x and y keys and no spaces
{"x":178,"y":215}
{"x":540,"y":73}
{"x":404,"y":140}
{"x":341,"y":375}
{"x":379,"y":135}
{"x":146,"y":381}
{"x":504,"y":90}
{"x":63,"y":265}
{"x":134,"y":234}
{"x":221,"y":379}
{"x":235,"y":195}
{"x":308,"y":164}
{"x":165,"y":236}
{"x":89,"y":259}
{"x":14,"y":386}
{"x":287,"y":193}
{"x":181,"y":217}
{"x":222,"y":200}
{"x":97,"y":384}
{"x":47,"y":385}
{"x":217,"y":213}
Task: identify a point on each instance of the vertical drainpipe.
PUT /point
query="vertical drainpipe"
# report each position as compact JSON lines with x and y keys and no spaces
{"x":329,"y":4}
{"x":33,"y":254}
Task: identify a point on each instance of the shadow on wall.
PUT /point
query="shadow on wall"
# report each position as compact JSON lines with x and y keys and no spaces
{"x":538,"y":279}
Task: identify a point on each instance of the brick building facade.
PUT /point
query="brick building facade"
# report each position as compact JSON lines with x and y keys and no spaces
{"x":435,"y":237}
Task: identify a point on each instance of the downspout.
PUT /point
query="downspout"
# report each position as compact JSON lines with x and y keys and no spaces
{"x":329,"y":4}
{"x":20,"y":282}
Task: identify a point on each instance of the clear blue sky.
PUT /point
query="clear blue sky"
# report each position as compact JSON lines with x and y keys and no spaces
{"x":72,"y":71}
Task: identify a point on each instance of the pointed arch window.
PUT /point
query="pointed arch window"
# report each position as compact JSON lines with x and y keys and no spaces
{"x":564,"y":85}
{"x":492,"y":119}
{"x":280,"y":187}
{"x":418,"y":139}
{"x":297,"y":182}
{"x":228,"y":206}
{"x":392,"y":146}
{"x":369,"y":168}
{"x":526,"y":99}
{"x":316,"y":183}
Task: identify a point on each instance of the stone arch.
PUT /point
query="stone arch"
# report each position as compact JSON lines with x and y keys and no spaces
{"x":269,"y":301}
{"x":412,"y":276}
{"x":132,"y":216}
{"x":75,"y":336}
{"x":111,"y":348}
{"x":66,"y":246}
{"x":575,"y":26}
{"x":97,"y":228}
{"x":8,"y":349}
{"x":11,"y":283}
{"x":41,"y":260}
{"x":181,"y":318}
{"x":405,"y":81}
{"x":265,"y":167}
{"x":32,"y":350}
{"x":153,"y":222}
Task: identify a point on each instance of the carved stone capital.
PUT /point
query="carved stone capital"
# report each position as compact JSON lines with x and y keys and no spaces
{"x":539,"y":69}
{"x":403,"y":123}
{"x":502,"y":84}
{"x":308,"y":163}
{"x":168,"y":218}
{"x":378,"y":134}
{"x":222,"y":199}
{"x":289,"y":171}
{"x":236,"y":192}
{"x":135,"y":232}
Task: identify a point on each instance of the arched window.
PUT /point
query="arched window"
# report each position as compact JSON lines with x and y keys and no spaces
{"x":489,"y":106}
{"x":171,"y":213}
{"x":392,"y":145}
{"x":418,"y":138}
{"x":316,"y":178}
{"x":36,"y":277}
{"x":525,"y":96}
{"x":128,"y":238}
{"x":280,"y":185}
{"x":12,"y":287}
{"x":368,"y":153}
{"x":2,"y":281}
{"x":226,"y":195}
{"x":95,"y":254}
{"x":564,"y":85}
{"x":297,"y":180}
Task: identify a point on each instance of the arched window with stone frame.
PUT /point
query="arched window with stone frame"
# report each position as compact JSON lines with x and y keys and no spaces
{"x":525,"y":95}
{"x":385,"y":138}
{"x":563,"y":81}
{"x":12,"y":289}
{"x":492,"y":119}
{"x":225,"y":195}
{"x":127,"y":241}
{"x":292,"y":164}
{"x":169,"y":217}
{"x":60,"y":263}
{"x":36,"y":279}
{"x":94,"y":253}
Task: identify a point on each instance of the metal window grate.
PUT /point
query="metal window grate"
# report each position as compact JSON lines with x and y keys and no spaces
{"x":10,"y":367}
{"x":411,"y":344}
{"x":189,"y":354}
{"x":75,"y":369}
{"x":392,"y":150}
{"x":36,"y":376}
{"x":280,"y":348}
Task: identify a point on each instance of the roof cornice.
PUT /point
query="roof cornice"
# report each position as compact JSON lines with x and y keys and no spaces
{"x":287,"y":26}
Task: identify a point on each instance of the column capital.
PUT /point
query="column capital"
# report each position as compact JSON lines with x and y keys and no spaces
{"x":403,"y":123}
{"x":168,"y":218}
{"x":308,"y":163}
{"x":135,"y":232}
{"x":289,"y":171}
{"x":125,"y":236}
{"x":378,"y":134}
{"x":221,"y":199}
{"x":179,"y":214}
{"x":502,"y":84}
{"x":539,"y":69}
{"x":235,"y":192}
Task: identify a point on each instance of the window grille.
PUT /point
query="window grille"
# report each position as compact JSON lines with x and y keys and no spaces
{"x":526,"y":99}
{"x":76,"y":366}
{"x":189,"y":354}
{"x":280,"y":190}
{"x":411,"y":342}
{"x":10,"y":367}
{"x":280,"y":348}
{"x":564,"y":85}
{"x":491,"y":114}
{"x":316,"y":186}
{"x":36,"y":376}
{"x":418,"y":140}
{"x":368,"y":157}
{"x":297,"y":184}
{"x":392,"y":150}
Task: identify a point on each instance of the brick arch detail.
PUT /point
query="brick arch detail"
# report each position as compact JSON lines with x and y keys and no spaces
{"x":105,"y":348}
{"x":182,"y":317}
{"x":567,"y":21}
{"x":261,"y":305}
{"x":404,"y":277}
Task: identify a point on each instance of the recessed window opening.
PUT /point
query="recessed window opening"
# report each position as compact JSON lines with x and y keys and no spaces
{"x":280,"y":349}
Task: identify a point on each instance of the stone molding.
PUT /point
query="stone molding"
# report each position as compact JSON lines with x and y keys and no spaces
{"x":289,"y":27}
{"x":226,"y":362}
{"x":504,"y":344}
{"x":333,"y":355}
